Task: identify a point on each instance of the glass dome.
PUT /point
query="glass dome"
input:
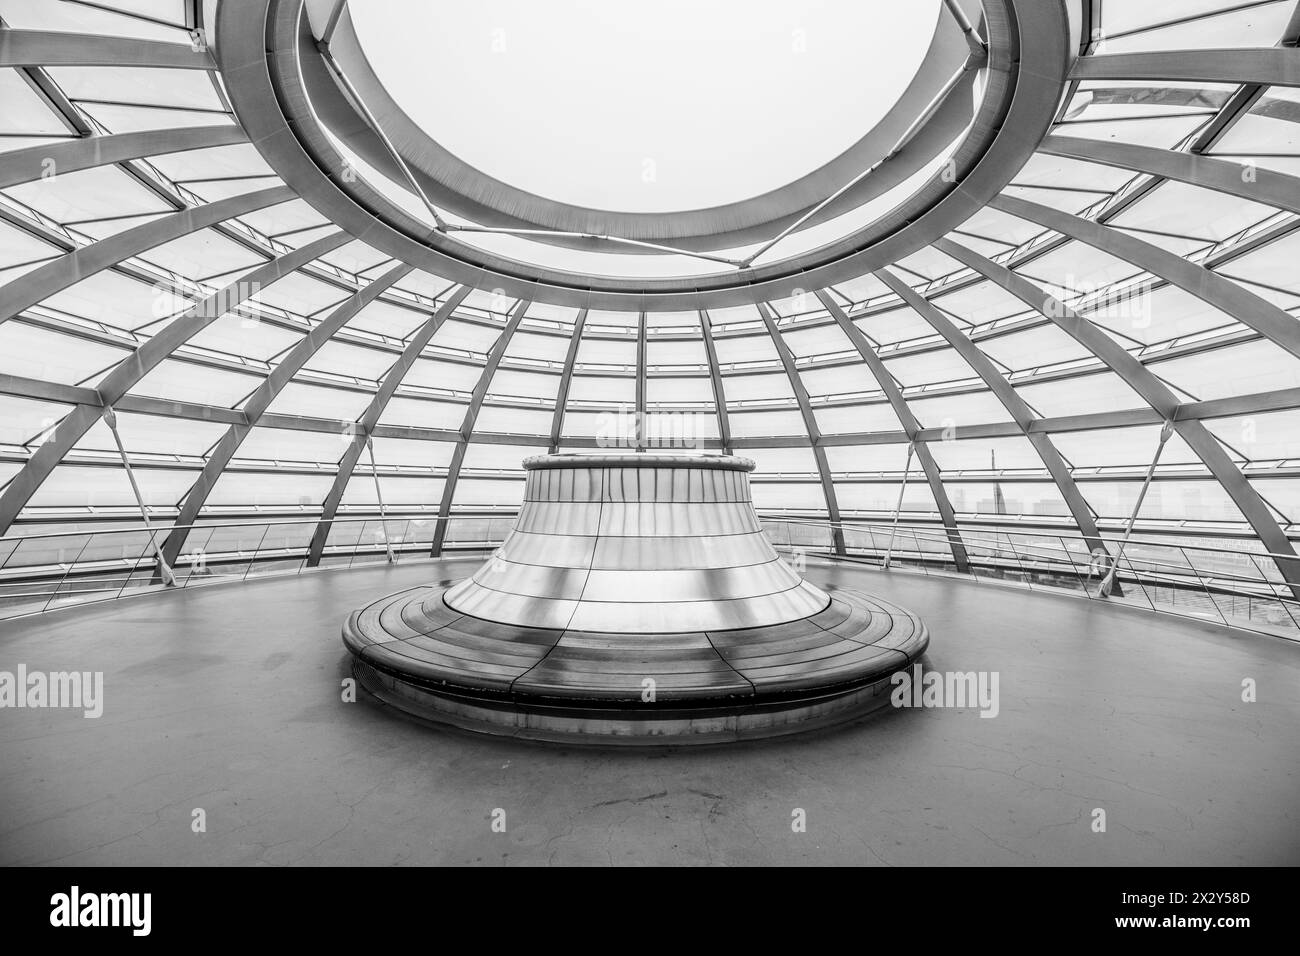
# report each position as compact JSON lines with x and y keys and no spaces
{"x":974,"y":315}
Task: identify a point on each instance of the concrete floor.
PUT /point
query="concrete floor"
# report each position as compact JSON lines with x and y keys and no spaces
{"x":228,"y":699}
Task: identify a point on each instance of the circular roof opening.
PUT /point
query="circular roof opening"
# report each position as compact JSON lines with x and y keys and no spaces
{"x":646,"y":107}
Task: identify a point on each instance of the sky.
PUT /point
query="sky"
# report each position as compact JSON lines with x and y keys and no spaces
{"x":646,"y":106}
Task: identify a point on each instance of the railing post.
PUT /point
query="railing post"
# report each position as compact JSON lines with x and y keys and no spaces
{"x":406,"y":532}
{"x":1083,"y":581}
{"x":164,"y":570}
{"x":907,"y":468}
{"x":1103,"y":590}
{"x":5,"y":563}
{"x":198,"y":556}
{"x":1015,"y":553}
{"x":379,"y":496}
{"x":1278,"y":561}
{"x":1138,"y":578}
{"x":1204,"y":587}
{"x":135,"y":566}
{"x":257,"y":550}
{"x":1273,"y":590}
{"x":356,"y":545}
{"x":89,"y":536}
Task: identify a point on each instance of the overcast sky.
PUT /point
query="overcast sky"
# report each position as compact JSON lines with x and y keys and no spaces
{"x":646,"y":106}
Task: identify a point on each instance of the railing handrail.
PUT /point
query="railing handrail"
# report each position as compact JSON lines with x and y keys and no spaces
{"x":943,"y":534}
{"x":1039,"y":549}
{"x":1152,"y":571}
{"x":1046,"y":559}
{"x":168,"y":528}
{"x":1152,"y":564}
{"x":939,"y":533}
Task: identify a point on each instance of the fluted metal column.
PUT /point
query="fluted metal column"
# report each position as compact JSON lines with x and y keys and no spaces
{"x":637,"y":543}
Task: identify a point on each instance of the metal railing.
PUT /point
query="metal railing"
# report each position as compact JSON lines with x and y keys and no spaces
{"x":41,"y":572}
{"x":1232,"y":586}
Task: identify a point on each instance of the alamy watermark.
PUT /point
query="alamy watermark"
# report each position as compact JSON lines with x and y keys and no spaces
{"x":75,"y":909}
{"x":954,"y":689}
{"x":1130,"y":305}
{"x":628,"y":428}
{"x":82,"y":690}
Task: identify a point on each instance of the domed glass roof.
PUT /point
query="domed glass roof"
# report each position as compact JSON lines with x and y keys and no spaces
{"x":973,"y":289}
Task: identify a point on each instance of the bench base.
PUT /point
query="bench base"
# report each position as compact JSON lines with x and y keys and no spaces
{"x":415,"y":653}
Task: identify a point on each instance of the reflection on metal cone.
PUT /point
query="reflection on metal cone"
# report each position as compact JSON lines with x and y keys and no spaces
{"x":636,"y":600}
{"x":637,"y":544}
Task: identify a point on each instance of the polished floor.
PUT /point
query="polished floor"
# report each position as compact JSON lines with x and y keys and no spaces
{"x":227,"y":700}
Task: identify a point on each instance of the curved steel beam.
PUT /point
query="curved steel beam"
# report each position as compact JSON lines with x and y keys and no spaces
{"x":640,"y":382}
{"x":1016,"y":406}
{"x":55,"y":276}
{"x":911,"y":427}
{"x":1270,"y":321}
{"x":566,"y":377}
{"x":810,"y":424}
{"x":261,"y":399}
{"x":467,"y":426}
{"x":1270,"y":66}
{"x":1265,"y":186}
{"x":370,"y":418}
{"x":715,"y":374}
{"x":54,"y":48}
{"x":127,"y":373}
{"x":1158,"y":395}
{"x":27,"y":165}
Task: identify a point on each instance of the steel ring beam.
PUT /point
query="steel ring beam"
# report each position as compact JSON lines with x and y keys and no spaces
{"x":1015,"y":115}
{"x":466,"y":191}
